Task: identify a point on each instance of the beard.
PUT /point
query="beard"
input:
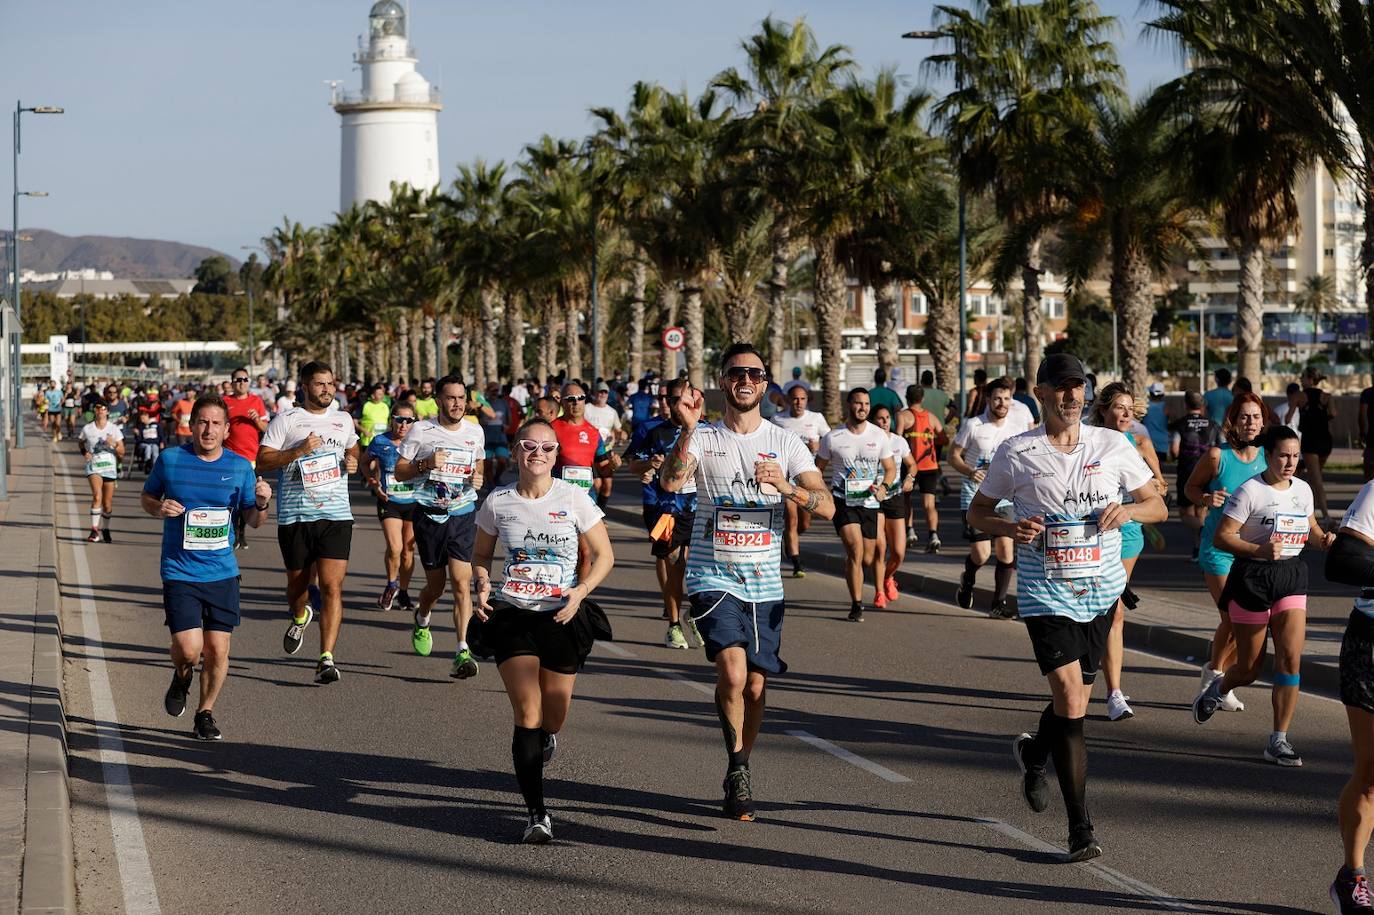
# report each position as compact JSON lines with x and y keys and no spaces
{"x":743,"y":406}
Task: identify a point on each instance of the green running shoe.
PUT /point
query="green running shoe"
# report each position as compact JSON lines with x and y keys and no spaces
{"x":463,"y":665}
{"x":421,"y":640}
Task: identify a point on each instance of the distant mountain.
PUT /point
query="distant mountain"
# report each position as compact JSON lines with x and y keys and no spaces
{"x":126,"y":258}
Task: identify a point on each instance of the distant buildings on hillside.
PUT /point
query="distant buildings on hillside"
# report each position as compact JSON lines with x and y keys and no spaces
{"x":101,"y":284}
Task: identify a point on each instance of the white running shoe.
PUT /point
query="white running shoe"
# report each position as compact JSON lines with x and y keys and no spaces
{"x":539,"y":831}
{"x":1117,"y":709}
{"x":1230,"y":702}
{"x":1282,"y":752}
{"x":1208,"y":675}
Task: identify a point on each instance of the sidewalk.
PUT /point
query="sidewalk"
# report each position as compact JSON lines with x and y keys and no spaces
{"x":36,"y":867}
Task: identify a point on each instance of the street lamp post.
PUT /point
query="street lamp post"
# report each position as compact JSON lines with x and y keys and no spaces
{"x":248,"y":287}
{"x":927,"y":35}
{"x":19,"y":112}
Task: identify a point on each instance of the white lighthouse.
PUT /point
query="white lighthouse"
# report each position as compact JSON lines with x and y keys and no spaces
{"x":390,"y":128}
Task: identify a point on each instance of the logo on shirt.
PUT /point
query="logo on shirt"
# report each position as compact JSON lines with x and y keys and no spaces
{"x":1090,"y":469}
{"x":557,"y":516}
{"x":709,"y":453}
{"x":768,"y":455}
{"x":582,"y":438}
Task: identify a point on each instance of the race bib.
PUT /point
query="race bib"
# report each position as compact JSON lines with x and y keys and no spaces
{"x":205,"y":529}
{"x":456,"y":470}
{"x":858,"y":493}
{"x":1291,"y":531}
{"x":102,"y":462}
{"x":394,"y":487}
{"x":319,"y":473}
{"x":578,"y":476}
{"x":150,"y":433}
{"x":1073,"y":549}
{"x":533,"y":580}
{"x":743,"y":536}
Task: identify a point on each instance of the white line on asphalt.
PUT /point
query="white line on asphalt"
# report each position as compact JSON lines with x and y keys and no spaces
{"x":836,"y":750}
{"x":135,"y":871}
{"x":615,"y":649}
{"x":666,"y":674}
{"x":1108,"y":874}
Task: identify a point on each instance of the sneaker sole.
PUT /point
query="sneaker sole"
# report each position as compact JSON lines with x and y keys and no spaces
{"x":1123,"y":716}
{"x":326,"y":679}
{"x":1021,"y":765}
{"x":537,"y":837}
{"x":1086,"y":853}
{"x":961,"y":601}
{"x":1198,"y":717}
{"x":198,"y":737}
{"x":286,"y":644}
{"x":464,"y":673}
{"x":1285,"y":763}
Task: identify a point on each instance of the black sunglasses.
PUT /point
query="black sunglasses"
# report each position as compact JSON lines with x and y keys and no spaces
{"x":574,"y":398}
{"x":403,"y":420}
{"x":237,"y":380}
{"x":738,"y":373}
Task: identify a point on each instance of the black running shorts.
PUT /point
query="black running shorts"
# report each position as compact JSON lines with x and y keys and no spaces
{"x":866,"y":518}
{"x":438,"y":542}
{"x":1059,"y":640}
{"x":1357,"y":663}
{"x":306,"y":541}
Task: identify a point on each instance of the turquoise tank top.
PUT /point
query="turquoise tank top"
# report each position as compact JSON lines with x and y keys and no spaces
{"x":1232,"y":473}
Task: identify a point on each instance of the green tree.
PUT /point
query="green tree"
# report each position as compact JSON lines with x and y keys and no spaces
{"x":216,"y":276}
{"x":1317,"y":298}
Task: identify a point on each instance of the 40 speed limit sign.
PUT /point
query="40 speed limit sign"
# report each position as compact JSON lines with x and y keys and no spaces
{"x":674,"y":338}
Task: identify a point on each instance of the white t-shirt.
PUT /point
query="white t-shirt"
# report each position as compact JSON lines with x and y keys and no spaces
{"x":314,"y":487}
{"x":285,"y":402}
{"x":857,"y":461}
{"x":1267,"y":513}
{"x":980,"y":438}
{"x":101,"y":459}
{"x":1073,"y":570}
{"x":1018,"y":412}
{"x":900,"y":449}
{"x":540,"y":539}
{"x":604,"y":418}
{"x":520,"y":394}
{"x":445,"y":490}
{"x":737,"y":535}
{"x":810,"y":426}
{"x":1360,"y":517}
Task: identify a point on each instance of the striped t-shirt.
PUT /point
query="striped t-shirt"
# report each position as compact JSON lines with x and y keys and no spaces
{"x":314,"y":487}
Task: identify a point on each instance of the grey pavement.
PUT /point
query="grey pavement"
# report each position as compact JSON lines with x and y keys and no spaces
{"x":883,"y":773}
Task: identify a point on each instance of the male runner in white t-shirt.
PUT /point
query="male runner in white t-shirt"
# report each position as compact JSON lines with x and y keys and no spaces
{"x":811,"y":427}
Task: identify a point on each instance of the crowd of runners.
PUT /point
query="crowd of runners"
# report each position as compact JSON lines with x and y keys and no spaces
{"x":1061,"y":484}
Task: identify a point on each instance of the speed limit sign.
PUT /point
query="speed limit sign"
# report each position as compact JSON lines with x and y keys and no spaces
{"x":674,"y":338}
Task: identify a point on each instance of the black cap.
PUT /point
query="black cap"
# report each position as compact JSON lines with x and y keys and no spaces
{"x":1060,"y":368}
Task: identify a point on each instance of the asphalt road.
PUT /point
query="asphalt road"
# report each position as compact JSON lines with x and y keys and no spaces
{"x":883,"y":776}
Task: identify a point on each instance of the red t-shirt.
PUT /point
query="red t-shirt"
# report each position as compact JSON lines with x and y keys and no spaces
{"x":244,"y":436}
{"x":578,"y":446}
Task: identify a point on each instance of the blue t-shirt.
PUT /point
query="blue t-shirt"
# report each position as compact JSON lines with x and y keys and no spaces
{"x":384,"y":450}
{"x":1024,"y":398}
{"x":199,"y":544}
{"x":657,"y":437}
{"x":641,"y":405}
{"x":54,"y":400}
{"x":1218,"y":402}
{"x":1158,"y":426}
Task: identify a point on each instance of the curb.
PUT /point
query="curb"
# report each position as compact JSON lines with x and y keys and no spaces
{"x":48,"y":881}
{"x":1153,"y":637}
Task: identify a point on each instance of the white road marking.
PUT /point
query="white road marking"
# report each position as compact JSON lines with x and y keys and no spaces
{"x":616,"y":650}
{"x":131,"y":853}
{"x":1110,"y":875}
{"x":666,"y":674}
{"x":836,"y":750}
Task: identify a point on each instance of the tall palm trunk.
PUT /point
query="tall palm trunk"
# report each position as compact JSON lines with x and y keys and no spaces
{"x":573,"y":338}
{"x":416,"y":341}
{"x":362,"y":361}
{"x":942,"y":339}
{"x":1250,"y":310}
{"x":465,"y":351}
{"x":431,"y":348}
{"x":1130,"y":291}
{"x":739,"y":316}
{"x":1031,"y":314}
{"x":442,"y":331}
{"x":781,"y":243}
{"x":638,"y":289}
{"x":831,"y":298}
{"x":515,"y":335}
{"x":549,"y":351}
{"x":382,"y":353}
{"x":1367,"y":247}
{"x":668,"y":302}
{"x":885,"y":321}
{"x":486,"y":332}
{"x":694,"y":323}
{"x":341,"y":368}
{"x":401,"y":366}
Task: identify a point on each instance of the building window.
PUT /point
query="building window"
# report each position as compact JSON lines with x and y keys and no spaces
{"x":1330,"y":252}
{"x":1054,"y":308}
{"x":919,"y":306}
{"x":854,"y":301}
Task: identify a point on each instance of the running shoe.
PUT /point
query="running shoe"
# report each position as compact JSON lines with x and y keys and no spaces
{"x":539,"y":831}
{"x":1207,"y":675}
{"x":798,"y":572}
{"x":693,"y":634}
{"x":1207,"y":702}
{"x":739,"y":799}
{"x":912,"y":538}
{"x":879,"y":599}
{"x":1001,"y":611}
{"x":933,"y":544}
{"x":175,"y":700}
{"x":388,"y":596}
{"x":421,"y":639}
{"x":1231,"y":703}
{"x":1083,"y":846}
{"x":205,"y":728}
{"x":406,"y":603}
{"x":94,"y":536}
{"x":463,"y":665}
{"x":1035,"y":788}
{"x":1350,"y":893}
{"x":964,"y":596}
{"x":1282,"y":752}
{"x":313,"y":595}
{"x":105,"y":535}
{"x":326,"y":671}
{"x":295,"y":633}
{"x":1117,"y":709}
{"x":1195,"y":551}
{"x":550,"y":747}
{"x":675,"y":638}
{"x":892,"y":592}
{"x":856,"y":613}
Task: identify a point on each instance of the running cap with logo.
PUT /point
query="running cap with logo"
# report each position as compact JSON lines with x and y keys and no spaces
{"x":1156,"y":389}
{"x":1061,"y":368}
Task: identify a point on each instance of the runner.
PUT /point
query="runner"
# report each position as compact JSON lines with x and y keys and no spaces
{"x":1316,"y":414}
{"x":40,"y":405}
{"x":1220,"y":472}
{"x":1351,"y":562}
{"x":1265,"y":525}
{"x":1064,"y":480}
{"x":194,"y":488}
{"x":181,"y":419}
{"x":1191,"y":437}
{"x":1114,"y":408}
{"x":811,"y":427}
{"x":582,"y":453}
{"x":102,"y":445}
{"x":425,"y":405}
{"x":743,"y":468}
{"x":444,"y":457}
{"x":70,"y":402}
{"x":374,"y":416}
{"x":247,"y":423}
{"x":395,"y":508}
{"x":541,"y":626}
{"x":978,"y":440}
{"x":920,"y":428}
{"x":670,"y":538}
{"x":862,"y":478}
{"x":607,"y":422}
{"x":893,"y":510}
{"x":313,"y":448}
{"x":494,"y":430}
{"x":546,"y":408}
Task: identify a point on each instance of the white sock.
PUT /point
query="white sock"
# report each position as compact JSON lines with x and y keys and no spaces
{"x":95,"y":519}
{"x":1115,"y":692}
{"x":422,"y":621}
{"x":462,"y":646}
{"x":1277,"y":736}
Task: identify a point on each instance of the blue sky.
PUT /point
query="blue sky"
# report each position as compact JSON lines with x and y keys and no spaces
{"x":206,"y":121}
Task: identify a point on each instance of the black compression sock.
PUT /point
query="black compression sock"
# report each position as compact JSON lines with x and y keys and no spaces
{"x":1071,"y":765}
{"x":1038,"y":751}
{"x":796,"y":560}
{"x":739,"y":759}
{"x":1001,"y":581}
{"x":601,"y":500}
{"x":971,"y":568}
{"x":527,"y":753}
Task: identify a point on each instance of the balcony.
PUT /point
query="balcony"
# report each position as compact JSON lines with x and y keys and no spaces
{"x":389,"y":50}
{"x":356,"y":100}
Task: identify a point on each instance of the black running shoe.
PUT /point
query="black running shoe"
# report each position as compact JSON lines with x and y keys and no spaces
{"x":105,"y":535}
{"x":856,"y":613}
{"x":739,"y":800}
{"x":175,"y":700}
{"x":326,"y":672}
{"x":205,"y":728}
{"x":94,"y":536}
{"x":1351,"y":894}
{"x":1035,"y":788}
{"x":550,"y":747}
{"x":964,"y":596}
{"x":1083,"y":846}
{"x":1000,"y":611}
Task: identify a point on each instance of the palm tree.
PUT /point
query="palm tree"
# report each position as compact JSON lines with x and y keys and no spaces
{"x":475,"y":236}
{"x":1318,"y":297}
{"x":1027,"y":78}
{"x":786,"y":73}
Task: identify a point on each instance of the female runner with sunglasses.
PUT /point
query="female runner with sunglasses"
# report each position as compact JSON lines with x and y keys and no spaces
{"x":395,"y":506}
{"x":539,"y":624}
